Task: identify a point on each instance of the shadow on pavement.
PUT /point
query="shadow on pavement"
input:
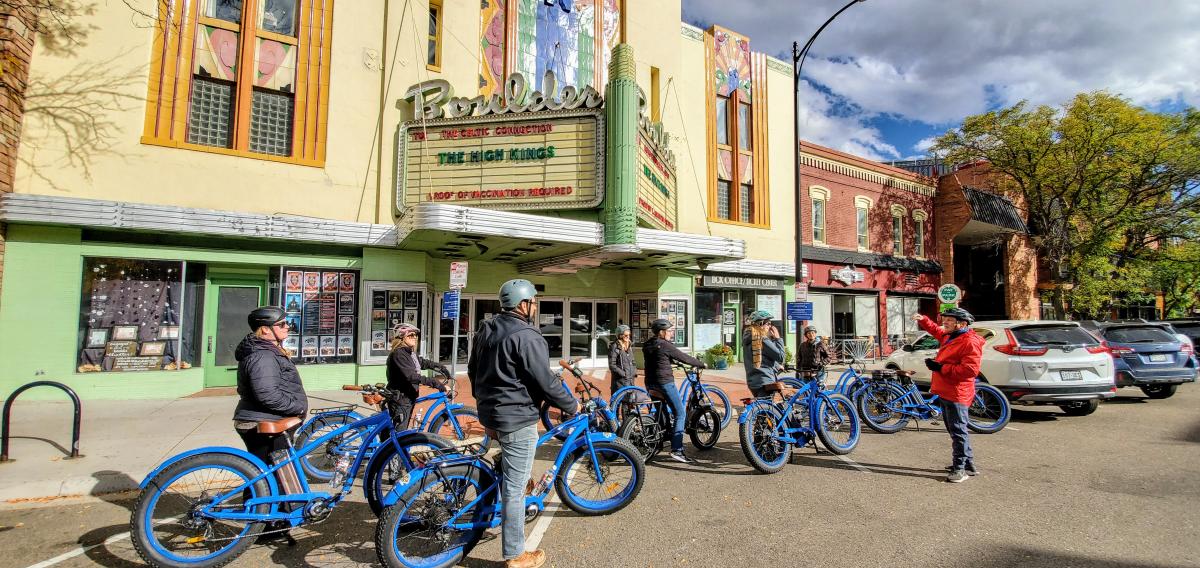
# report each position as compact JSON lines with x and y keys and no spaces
{"x":1034,"y":416}
{"x":1127,"y":400}
{"x":48,"y":442}
{"x":1023,"y":557}
{"x":1191,"y":434}
{"x":724,"y":459}
{"x":828,"y":461}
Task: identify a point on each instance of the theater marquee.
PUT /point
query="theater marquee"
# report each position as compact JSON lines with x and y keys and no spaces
{"x":525,"y":160}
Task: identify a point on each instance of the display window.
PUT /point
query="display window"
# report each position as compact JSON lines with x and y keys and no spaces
{"x":388,"y":305}
{"x":322,"y":313}
{"x":139,"y":315}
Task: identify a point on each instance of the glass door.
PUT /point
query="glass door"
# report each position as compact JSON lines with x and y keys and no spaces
{"x":228,"y":301}
{"x":446,"y":333}
{"x":550,"y":322}
{"x":604,"y":331}
{"x":581,"y":330}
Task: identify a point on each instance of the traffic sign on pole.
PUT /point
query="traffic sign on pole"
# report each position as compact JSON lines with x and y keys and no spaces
{"x":801,"y":292}
{"x":458,"y":275}
{"x":800,"y":311}
{"x":450,"y":304}
{"x":949,"y":294}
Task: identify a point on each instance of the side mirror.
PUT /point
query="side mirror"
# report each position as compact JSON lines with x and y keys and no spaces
{"x":908,"y":348}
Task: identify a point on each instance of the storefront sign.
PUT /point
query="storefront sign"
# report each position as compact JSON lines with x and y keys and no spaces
{"x":949,"y":294}
{"x":543,"y":160}
{"x":722,"y":281}
{"x":428,"y":98}
{"x":656,"y":185}
{"x":800,"y":311}
{"x":137,"y":363}
{"x":846,"y":275}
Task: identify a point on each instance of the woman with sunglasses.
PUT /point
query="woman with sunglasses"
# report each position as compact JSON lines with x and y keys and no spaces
{"x":269,"y":388}
{"x":404,"y":376}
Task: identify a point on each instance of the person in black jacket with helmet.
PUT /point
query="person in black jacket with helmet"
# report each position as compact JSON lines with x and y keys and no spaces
{"x":269,"y":388}
{"x":659,"y":351}
{"x":404,"y":376}
{"x":510,"y":376}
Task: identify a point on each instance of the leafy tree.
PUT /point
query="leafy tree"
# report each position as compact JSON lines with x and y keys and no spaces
{"x":1102,"y":181}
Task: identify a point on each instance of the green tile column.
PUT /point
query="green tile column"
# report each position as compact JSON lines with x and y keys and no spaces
{"x":621,"y":116}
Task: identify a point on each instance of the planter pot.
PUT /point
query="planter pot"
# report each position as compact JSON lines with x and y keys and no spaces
{"x":720,"y":364}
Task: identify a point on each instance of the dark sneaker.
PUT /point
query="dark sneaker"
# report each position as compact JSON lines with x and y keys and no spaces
{"x":957,"y":476}
{"x":971,"y":471}
{"x":679,"y":457}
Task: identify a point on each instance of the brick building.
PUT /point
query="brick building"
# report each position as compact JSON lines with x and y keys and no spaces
{"x":16,"y":48}
{"x":870,"y":247}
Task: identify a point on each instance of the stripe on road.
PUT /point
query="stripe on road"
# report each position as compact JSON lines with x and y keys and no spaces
{"x":854,"y":464}
{"x":78,"y":551}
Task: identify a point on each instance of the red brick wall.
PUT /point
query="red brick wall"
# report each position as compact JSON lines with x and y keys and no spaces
{"x":841,"y":221}
{"x":16,"y":50}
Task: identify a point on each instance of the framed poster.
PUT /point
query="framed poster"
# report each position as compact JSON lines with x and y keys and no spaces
{"x":328,"y":346}
{"x":346,"y":303}
{"x":153,"y":348}
{"x":312,"y":281}
{"x":168,"y":332}
{"x":410,"y":317}
{"x":293,"y":281}
{"x":125,"y":333}
{"x":395,"y":300}
{"x":292,"y":303}
{"x":345,"y":325}
{"x":345,"y":345}
{"x":395,"y":318}
{"x":293,"y":324}
{"x":309,"y":348}
{"x":411,"y":300}
{"x":379,"y":300}
{"x":378,"y":340}
{"x":120,"y":349}
{"x":98,"y":337}
{"x":292,"y":345}
{"x":329,"y":282}
{"x":346,"y":282}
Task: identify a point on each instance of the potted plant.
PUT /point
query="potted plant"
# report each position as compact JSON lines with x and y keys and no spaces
{"x":719,"y":356}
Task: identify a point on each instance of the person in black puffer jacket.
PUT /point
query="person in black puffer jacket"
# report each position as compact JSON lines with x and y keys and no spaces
{"x":270,"y":389}
{"x":660,"y":351}
{"x":404,"y":376}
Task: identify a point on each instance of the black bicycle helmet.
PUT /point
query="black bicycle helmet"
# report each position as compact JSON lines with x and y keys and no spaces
{"x":959,"y":314}
{"x":659,"y":325}
{"x":265,"y":315}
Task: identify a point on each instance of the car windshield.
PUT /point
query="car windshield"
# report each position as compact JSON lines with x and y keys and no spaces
{"x":1189,"y":328}
{"x":1053,"y":335}
{"x":1139,"y":334}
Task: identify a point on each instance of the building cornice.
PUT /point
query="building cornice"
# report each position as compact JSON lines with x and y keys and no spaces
{"x":858,"y":172}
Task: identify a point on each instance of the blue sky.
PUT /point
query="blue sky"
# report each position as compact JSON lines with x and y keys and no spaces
{"x":888,"y":75}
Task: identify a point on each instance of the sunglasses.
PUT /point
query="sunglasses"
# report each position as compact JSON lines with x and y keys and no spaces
{"x":283,"y":323}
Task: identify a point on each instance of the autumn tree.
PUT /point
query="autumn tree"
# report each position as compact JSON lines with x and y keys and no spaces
{"x":1103,"y":183}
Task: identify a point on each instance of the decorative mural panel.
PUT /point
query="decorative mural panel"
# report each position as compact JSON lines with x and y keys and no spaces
{"x":560,"y":37}
{"x":216,"y":53}
{"x":731,"y":69}
{"x":746,"y":168}
{"x":724,"y":164}
{"x":610,"y":35}
{"x":492,"y":17}
{"x":276,"y":65}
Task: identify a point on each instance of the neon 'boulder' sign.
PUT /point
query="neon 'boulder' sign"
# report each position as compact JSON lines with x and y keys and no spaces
{"x":429,"y":98}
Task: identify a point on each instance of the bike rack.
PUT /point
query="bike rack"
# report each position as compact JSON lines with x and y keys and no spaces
{"x":5,"y":430}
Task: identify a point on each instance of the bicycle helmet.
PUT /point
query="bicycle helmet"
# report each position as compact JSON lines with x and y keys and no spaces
{"x":760,"y":315}
{"x":622,"y":329}
{"x":812,"y":329}
{"x":959,"y":314}
{"x":265,"y":316}
{"x":659,"y":325}
{"x":515,"y":291}
{"x":404,"y":329}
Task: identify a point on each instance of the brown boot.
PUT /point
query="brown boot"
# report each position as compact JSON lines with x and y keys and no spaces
{"x":528,"y":559}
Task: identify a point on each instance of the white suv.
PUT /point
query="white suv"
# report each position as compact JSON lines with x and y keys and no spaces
{"x":1031,"y":362}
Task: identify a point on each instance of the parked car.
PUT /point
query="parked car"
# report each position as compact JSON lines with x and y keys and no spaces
{"x":1147,"y":355}
{"x":1188,"y":327}
{"x":1031,"y":362}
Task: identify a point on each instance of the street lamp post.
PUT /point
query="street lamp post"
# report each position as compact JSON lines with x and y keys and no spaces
{"x":798,"y":55}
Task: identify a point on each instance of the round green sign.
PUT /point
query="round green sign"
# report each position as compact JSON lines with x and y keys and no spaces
{"x":949,"y":294}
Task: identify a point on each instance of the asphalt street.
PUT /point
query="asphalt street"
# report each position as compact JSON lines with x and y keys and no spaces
{"x":1118,"y":488}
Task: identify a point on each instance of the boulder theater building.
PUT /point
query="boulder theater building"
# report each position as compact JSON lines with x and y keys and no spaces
{"x":327,"y":157}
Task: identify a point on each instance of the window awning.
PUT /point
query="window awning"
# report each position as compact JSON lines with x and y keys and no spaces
{"x":540,"y":244}
{"x":991,"y":215}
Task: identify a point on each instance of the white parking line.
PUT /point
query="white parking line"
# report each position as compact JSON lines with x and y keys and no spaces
{"x":1006,"y":427}
{"x":552,"y":506}
{"x":854,"y":464}
{"x":78,"y":551}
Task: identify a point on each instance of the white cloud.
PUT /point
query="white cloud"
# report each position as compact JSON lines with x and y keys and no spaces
{"x":936,"y":62}
{"x":923,"y":145}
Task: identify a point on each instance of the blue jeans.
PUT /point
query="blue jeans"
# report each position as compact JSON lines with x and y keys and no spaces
{"x":517,"y":449}
{"x":955,"y":417}
{"x":676,"y":403}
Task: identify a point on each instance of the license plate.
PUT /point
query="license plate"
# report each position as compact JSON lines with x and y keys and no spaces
{"x":1159,"y":358}
{"x":1071,"y":375}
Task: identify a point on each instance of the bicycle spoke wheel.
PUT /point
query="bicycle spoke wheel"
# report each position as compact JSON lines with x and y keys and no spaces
{"x":643,"y":433}
{"x":464,"y":427}
{"x":877,"y":406}
{"x":319,"y":463}
{"x":758,"y":433}
{"x":720,"y":403}
{"x":837,"y":424}
{"x":704,"y":428}
{"x":989,"y":411}
{"x":416,"y":533}
{"x":169,"y":525}
{"x":389,"y":468}
{"x":620,"y":470}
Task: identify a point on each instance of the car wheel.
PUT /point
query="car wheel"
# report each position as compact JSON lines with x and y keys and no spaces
{"x":1080,"y":408}
{"x":1160,"y":391}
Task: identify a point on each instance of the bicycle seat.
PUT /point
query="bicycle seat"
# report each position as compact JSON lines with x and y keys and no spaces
{"x":278,"y":426}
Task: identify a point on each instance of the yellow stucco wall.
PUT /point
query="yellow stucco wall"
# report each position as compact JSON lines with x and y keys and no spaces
{"x":377,"y":52}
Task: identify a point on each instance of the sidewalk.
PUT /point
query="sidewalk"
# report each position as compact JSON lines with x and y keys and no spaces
{"x":122,"y":441}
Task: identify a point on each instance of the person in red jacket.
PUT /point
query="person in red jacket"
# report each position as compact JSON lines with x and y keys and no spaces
{"x":954,"y":371}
